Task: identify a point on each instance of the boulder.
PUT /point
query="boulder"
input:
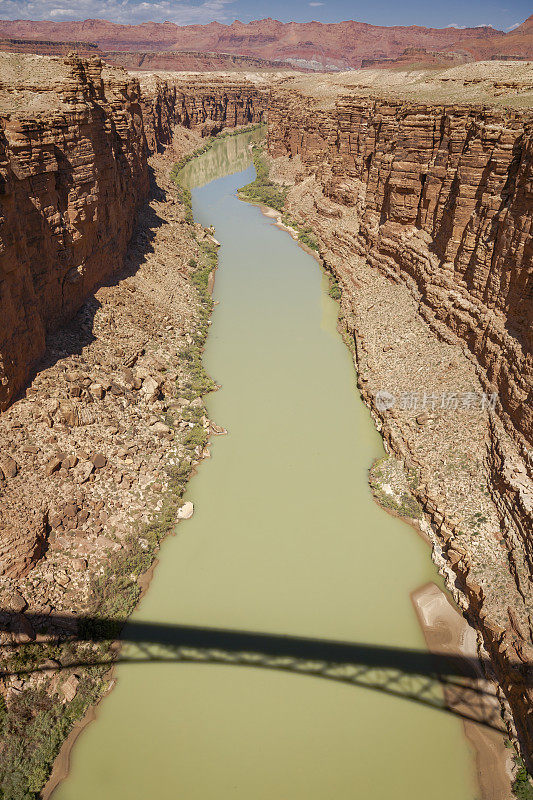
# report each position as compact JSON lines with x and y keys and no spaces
{"x":160,"y":429}
{"x":13,"y":601}
{"x":70,"y":687}
{"x":8,"y":465}
{"x":97,"y":391}
{"x":83,"y":472}
{"x":186,"y":511}
{"x":151,"y":389}
{"x":53,"y":465}
{"x":99,"y":460}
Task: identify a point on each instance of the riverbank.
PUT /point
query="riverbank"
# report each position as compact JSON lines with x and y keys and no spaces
{"x":116,"y":419}
{"x":447,"y":632}
{"x":61,"y":765}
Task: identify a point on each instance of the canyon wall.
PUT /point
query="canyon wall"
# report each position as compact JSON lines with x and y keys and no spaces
{"x":71,"y":180}
{"x":73,"y":171}
{"x":206,"y":104}
{"x":72,"y":174}
{"x":340,"y":45}
{"x":188,"y":60}
{"x":438,"y":199}
{"x":48,"y":48}
{"x":458,"y":180}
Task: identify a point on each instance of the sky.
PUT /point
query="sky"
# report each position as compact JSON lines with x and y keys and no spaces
{"x":503,"y":15}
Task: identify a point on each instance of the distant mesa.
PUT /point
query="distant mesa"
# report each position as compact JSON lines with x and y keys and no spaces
{"x":44,"y":47}
{"x":312,"y":45}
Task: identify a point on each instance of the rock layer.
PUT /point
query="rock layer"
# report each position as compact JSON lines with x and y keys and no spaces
{"x":444,"y":197}
{"x":188,"y":60}
{"x":341,"y":45}
{"x":70,"y":184}
{"x":207,"y":104}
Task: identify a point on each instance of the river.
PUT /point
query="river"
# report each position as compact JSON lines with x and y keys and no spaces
{"x":285,"y":539}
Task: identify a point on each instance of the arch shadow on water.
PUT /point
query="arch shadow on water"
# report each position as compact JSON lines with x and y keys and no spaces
{"x":449,"y":683}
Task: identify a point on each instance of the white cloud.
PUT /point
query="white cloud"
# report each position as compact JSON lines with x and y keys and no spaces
{"x":124,"y":11}
{"x":314,"y":5}
{"x":462,"y":27}
{"x":516,"y":25}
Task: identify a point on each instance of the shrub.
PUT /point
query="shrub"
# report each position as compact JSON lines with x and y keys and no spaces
{"x":334,"y":290}
{"x":262,"y":189}
{"x":522,"y":786}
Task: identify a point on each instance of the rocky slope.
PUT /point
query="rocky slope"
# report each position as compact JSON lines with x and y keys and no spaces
{"x":424,"y":217}
{"x":171,"y":60}
{"x":48,"y":48}
{"x":190,"y":61}
{"x":459,"y":180}
{"x":340,"y":45}
{"x":73,"y":178}
{"x":73,"y":165}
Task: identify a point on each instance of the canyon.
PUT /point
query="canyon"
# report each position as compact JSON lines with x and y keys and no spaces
{"x":419,"y":191}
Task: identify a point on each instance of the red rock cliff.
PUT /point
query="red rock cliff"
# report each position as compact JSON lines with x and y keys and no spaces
{"x":459,"y":180}
{"x":205,"y":103}
{"x":71,"y":177}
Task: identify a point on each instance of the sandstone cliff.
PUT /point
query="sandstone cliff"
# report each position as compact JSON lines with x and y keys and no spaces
{"x":459,"y":180}
{"x":73,"y":162}
{"x":187,"y":60}
{"x":72,"y":175}
{"x":207,"y":104}
{"x":48,"y":48}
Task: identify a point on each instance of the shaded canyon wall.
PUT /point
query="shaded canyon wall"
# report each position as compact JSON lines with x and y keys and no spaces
{"x":71,"y":179}
{"x":70,"y":184}
{"x":207,"y":104}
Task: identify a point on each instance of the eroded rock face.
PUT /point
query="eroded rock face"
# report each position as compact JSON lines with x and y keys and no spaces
{"x":444,"y":197}
{"x":205,"y":104}
{"x":190,"y":60}
{"x":333,"y":45}
{"x":70,"y":182}
{"x":23,"y":541}
{"x":48,"y":48}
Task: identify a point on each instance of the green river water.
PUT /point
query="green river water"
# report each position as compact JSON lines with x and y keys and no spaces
{"x":285,"y":539}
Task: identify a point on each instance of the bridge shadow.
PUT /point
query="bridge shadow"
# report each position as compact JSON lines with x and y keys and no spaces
{"x":449,"y":683}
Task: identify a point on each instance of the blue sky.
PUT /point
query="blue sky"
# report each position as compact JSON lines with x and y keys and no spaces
{"x":503,"y":15}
